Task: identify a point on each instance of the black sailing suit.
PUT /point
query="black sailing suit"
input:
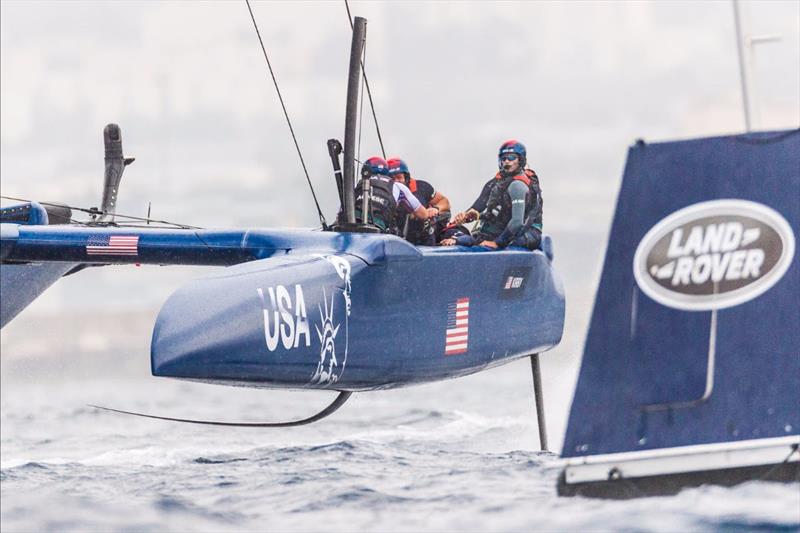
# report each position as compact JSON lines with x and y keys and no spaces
{"x":494,"y":206}
{"x":419,"y":232}
{"x":382,"y":205}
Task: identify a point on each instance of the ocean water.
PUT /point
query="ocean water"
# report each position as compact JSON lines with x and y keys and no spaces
{"x":452,"y":456}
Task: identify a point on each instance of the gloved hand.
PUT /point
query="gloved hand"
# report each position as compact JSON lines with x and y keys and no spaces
{"x":467,"y":216}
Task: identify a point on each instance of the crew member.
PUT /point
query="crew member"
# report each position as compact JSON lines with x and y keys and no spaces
{"x":387,"y":198}
{"x":509,"y":207}
{"x":417,"y":231}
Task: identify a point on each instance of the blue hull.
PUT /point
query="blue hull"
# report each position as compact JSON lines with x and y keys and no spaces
{"x":312,"y":309}
{"x":355,"y":323}
{"x":22,"y":284}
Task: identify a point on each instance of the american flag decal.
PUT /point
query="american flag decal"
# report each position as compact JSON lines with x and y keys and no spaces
{"x":113,"y":245}
{"x":457,"y":333}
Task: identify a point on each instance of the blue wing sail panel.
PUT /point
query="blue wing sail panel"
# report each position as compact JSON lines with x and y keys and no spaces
{"x":21,"y":284}
{"x":695,"y":328}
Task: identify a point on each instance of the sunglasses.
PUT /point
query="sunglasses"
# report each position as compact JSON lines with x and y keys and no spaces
{"x":509,"y":157}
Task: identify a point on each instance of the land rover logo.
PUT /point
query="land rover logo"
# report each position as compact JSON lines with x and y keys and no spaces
{"x":714,"y":255}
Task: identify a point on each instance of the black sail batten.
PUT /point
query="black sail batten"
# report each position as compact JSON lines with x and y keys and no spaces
{"x":341,"y":398}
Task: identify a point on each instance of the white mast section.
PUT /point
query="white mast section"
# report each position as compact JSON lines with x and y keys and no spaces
{"x":745,"y":46}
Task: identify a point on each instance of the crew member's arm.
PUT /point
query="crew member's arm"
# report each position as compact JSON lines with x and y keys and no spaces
{"x":518,"y":191}
{"x":424,"y":213}
{"x":440,"y":202}
{"x":480,"y":204}
{"x":477,"y":206}
{"x":466,"y":216}
{"x":410,"y":202}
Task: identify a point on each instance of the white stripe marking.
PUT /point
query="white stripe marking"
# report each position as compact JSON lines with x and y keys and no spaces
{"x":453,"y":347}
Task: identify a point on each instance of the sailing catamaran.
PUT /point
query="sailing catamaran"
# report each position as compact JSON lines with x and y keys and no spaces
{"x":303,"y":309}
{"x":690,"y":373}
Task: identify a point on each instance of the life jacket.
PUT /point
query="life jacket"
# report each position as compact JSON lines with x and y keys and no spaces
{"x":423,"y":190}
{"x":418,"y":231}
{"x":382,"y":205}
{"x":497,"y":214}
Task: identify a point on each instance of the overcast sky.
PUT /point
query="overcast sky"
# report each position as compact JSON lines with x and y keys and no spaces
{"x":577,"y":82}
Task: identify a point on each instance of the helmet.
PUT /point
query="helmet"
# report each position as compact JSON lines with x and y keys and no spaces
{"x":397,"y":166}
{"x":513,"y":147}
{"x":374,"y":165}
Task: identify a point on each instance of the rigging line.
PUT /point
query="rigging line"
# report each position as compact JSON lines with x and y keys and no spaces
{"x":366,"y":84}
{"x":96,"y":211}
{"x":286,"y":114}
{"x":139,"y":219}
{"x":126,"y":225}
